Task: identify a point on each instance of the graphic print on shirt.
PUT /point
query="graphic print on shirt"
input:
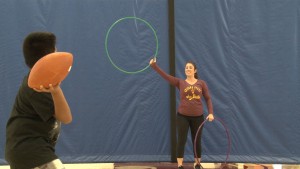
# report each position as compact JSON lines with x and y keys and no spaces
{"x":54,"y":133}
{"x":191,"y":90}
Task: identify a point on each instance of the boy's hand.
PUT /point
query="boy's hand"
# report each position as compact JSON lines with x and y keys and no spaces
{"x":51,"y":89}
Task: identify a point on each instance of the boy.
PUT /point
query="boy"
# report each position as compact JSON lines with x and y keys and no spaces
{"x":34,"y":124}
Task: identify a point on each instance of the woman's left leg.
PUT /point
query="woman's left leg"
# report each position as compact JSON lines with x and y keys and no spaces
{"x":195,"y":123}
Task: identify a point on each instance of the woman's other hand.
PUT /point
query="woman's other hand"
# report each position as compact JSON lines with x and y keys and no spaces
{"x":153,"y":60}
{"x":210,"y":117}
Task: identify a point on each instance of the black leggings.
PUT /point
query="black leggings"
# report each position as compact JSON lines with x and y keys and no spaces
{"x":183,"y":125}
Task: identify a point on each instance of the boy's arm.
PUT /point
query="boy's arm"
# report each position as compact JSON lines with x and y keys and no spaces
{"x":61,"y":106}
{"x":62,"y":110}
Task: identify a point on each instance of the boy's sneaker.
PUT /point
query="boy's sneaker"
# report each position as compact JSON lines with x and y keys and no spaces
{"x":180,"y":167}
{"x":198,"y":166}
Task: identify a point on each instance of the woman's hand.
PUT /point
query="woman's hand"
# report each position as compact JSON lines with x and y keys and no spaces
{"x":152,"y":61}
{"x":210,"y":117}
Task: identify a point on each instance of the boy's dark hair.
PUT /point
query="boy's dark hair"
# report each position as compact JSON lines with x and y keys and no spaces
{"x":36,"y":45}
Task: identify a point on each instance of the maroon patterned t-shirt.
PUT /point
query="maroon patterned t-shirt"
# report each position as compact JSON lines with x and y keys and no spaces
{"x":190,"y":94}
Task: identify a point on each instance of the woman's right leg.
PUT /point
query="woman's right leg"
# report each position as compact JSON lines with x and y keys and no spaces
{"x":182,"y":131}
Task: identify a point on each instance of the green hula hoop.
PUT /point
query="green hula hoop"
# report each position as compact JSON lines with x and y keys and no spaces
{"x":106,"y":49}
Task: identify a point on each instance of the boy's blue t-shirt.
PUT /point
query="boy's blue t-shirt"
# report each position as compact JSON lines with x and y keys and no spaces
{"x":32,"y":130}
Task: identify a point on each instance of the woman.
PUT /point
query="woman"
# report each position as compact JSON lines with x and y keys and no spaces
{"x":190,"y":110}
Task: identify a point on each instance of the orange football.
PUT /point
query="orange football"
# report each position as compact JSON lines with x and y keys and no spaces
{"x":50,"y":69}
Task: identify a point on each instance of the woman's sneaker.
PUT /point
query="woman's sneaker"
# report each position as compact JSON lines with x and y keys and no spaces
{"x":180,"y":167}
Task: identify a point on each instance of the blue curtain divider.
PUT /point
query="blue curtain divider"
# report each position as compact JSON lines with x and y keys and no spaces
{"x":246,"y":51}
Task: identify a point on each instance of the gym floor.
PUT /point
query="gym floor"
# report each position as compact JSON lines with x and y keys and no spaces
{"x":167,"y":165}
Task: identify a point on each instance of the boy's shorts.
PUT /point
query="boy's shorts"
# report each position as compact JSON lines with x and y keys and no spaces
{"x":55,"y":164}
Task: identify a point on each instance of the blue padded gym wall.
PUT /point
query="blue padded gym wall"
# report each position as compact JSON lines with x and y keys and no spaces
{"x":246,"y":51}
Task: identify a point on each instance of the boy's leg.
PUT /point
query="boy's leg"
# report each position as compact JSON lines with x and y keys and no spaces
{"x":55,"y":164}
